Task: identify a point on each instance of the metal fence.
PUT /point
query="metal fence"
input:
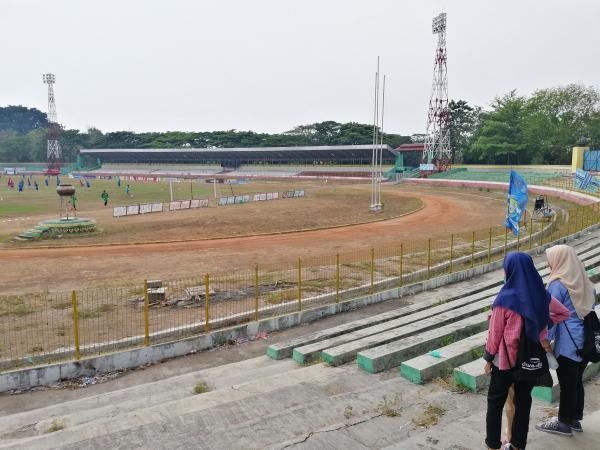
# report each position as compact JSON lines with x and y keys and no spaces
{"x":53,"y":326}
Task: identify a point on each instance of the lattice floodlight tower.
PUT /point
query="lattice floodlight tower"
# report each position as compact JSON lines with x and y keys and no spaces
{"x":53,"y":153}
{"x":437,"y":155}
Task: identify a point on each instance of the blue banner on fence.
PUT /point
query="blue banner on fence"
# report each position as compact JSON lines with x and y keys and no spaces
{"x":517,"y":201}
{"x":586,"y":181}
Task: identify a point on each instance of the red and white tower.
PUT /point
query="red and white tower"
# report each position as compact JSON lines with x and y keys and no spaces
{"x":53,"y":154}
{"x":437,"y":155}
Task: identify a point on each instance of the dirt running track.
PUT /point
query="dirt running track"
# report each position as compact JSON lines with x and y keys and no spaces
{"x":64,"y":268}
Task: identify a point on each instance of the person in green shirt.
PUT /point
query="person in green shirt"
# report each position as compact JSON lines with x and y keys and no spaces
{"x":105,"y":197}
{"x":74,"y":202}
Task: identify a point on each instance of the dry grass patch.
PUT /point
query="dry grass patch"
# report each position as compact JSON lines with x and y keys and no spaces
{"x":200,"y":388}
{"x":56,"y":425}
{"x":430,"y":416}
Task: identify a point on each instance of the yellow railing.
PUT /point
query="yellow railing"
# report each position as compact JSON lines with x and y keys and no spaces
{"x":51,"y":326}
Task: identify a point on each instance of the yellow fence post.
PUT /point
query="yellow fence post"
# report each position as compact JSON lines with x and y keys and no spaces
{"x":473,"y":250}
{"x":505,"y":240}
{"x":146,"y":315}
{"x":337,"y":278}
{"x":206,"y":304}
{"x":428,"y":258}
{"x":490,"y":247}
{"x":530,"y":233}
{"x":372,"y":269}
{"x":75,"y":325}
{"x":256,"y":292}
{"x":451,"y":252}
{"x":401,"y":265}
{"x":568,"y":223}
{"x":299,"y":284}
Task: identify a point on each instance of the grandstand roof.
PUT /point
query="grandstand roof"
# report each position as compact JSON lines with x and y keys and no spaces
{"x":342,"y":153}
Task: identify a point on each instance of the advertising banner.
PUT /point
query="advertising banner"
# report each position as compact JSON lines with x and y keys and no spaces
{"x":222,"y":201}
{"x":174,"y":206}
{"x":133,"y":210}
{"x":146,"y":208}
{"x":119,"y":211}
{"x":157,"y":207}
{"x":185,"y":204}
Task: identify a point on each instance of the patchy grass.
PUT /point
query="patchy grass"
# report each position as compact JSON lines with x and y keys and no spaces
{"x":348,"y":413}
{"x":88,"y":313}
{"x":37,"y":349}
{"x":450,"y":384}
{"x":388,"y":407}
{"x":200,"y":388}
{"x":56,"y":425}
{"x":319,"y":283}
{"x":277,"y":297}
{"x":15,"y":305}
{"x":60,"y":305}
{"x":477,"y":353}
{"x":447,"y":340}
{"x":430,"y":416}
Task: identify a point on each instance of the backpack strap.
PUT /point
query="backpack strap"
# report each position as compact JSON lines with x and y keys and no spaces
{"x":571,"y":336}
{"x":507,"y":354}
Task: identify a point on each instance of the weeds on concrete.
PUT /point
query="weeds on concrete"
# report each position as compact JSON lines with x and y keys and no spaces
{"x":277,"y":297}
{"x":387,"y":407}
{"x":348,"y":412}
{"x":430,"y":416}
{"x":200,"y":388}
{"x":450,"y":384}
{"x":477,"y":353}
{"x":447,"y":340}
{"x":56,"y":425}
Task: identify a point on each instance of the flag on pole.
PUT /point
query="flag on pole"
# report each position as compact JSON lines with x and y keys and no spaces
{"x":517,"y":201}
{"x":585,"y":181}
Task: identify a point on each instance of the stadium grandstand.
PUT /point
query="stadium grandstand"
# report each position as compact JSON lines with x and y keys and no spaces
{"x":236,"y":157}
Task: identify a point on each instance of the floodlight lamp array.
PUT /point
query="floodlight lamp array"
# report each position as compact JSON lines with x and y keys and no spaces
{"x":438,"y":24}
{"x":49,"y":78}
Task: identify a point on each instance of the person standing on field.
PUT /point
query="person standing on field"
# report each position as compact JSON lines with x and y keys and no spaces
{"x":105,"y":197}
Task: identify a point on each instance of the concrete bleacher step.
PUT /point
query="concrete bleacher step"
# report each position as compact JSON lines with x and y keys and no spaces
{"x":390,"y":330}
{"x":253,"y":390}
{"x":346,"y":352}
{"x":286,"y":349}
{"x":388,"y":356}
{"x":471,"y":375}
{"x":90,"y":408}
{"x":551,"y":394}
{"x":426,"y":367}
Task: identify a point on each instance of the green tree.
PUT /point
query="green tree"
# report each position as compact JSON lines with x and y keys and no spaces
{"x":463,"y":122}
{"x":499,"y":140}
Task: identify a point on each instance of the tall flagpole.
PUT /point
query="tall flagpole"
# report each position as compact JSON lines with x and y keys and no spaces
{"x":381,"y":148}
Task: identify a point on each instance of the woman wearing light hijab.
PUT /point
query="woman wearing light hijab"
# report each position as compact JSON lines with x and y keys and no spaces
{"x":569,"y":284}
{"x":523,"y":302}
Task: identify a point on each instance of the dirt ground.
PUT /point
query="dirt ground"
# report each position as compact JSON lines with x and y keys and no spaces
{"x":445,"y":211}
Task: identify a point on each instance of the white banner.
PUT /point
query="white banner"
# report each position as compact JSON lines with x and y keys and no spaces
{"x":119,"y":211}
{"x":256,"y":198}
{"x":269,"y":196}
{"x":222,"y":201}
{"x":185,"y":204}
{"x":133,"y":210}
{"x":157,"y":207}
{"x":194,"y":203}
{"x":275,"y":195}
{"x":173,"y":206}
{"x":263,"y":197}
{"x":146,"y":208}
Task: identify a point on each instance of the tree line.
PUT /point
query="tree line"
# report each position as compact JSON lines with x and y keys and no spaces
{"x":514,"y":129}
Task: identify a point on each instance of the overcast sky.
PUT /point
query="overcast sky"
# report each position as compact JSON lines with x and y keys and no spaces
{"x":269,"y":65}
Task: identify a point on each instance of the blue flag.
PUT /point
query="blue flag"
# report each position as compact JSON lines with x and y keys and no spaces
{"x":585,"y":181}
{"x":517,"y":201}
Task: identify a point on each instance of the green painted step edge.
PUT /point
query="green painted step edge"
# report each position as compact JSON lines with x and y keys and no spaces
{"x":299,"y":357}
{"x":364,"y":363}
{"x":411,"y":374}
{"x":466,"y":380}
{"x":327,"y":358}
{"x":272,"y":353}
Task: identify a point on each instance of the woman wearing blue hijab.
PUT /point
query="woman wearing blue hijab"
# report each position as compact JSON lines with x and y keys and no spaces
{"x":522,"y":302}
